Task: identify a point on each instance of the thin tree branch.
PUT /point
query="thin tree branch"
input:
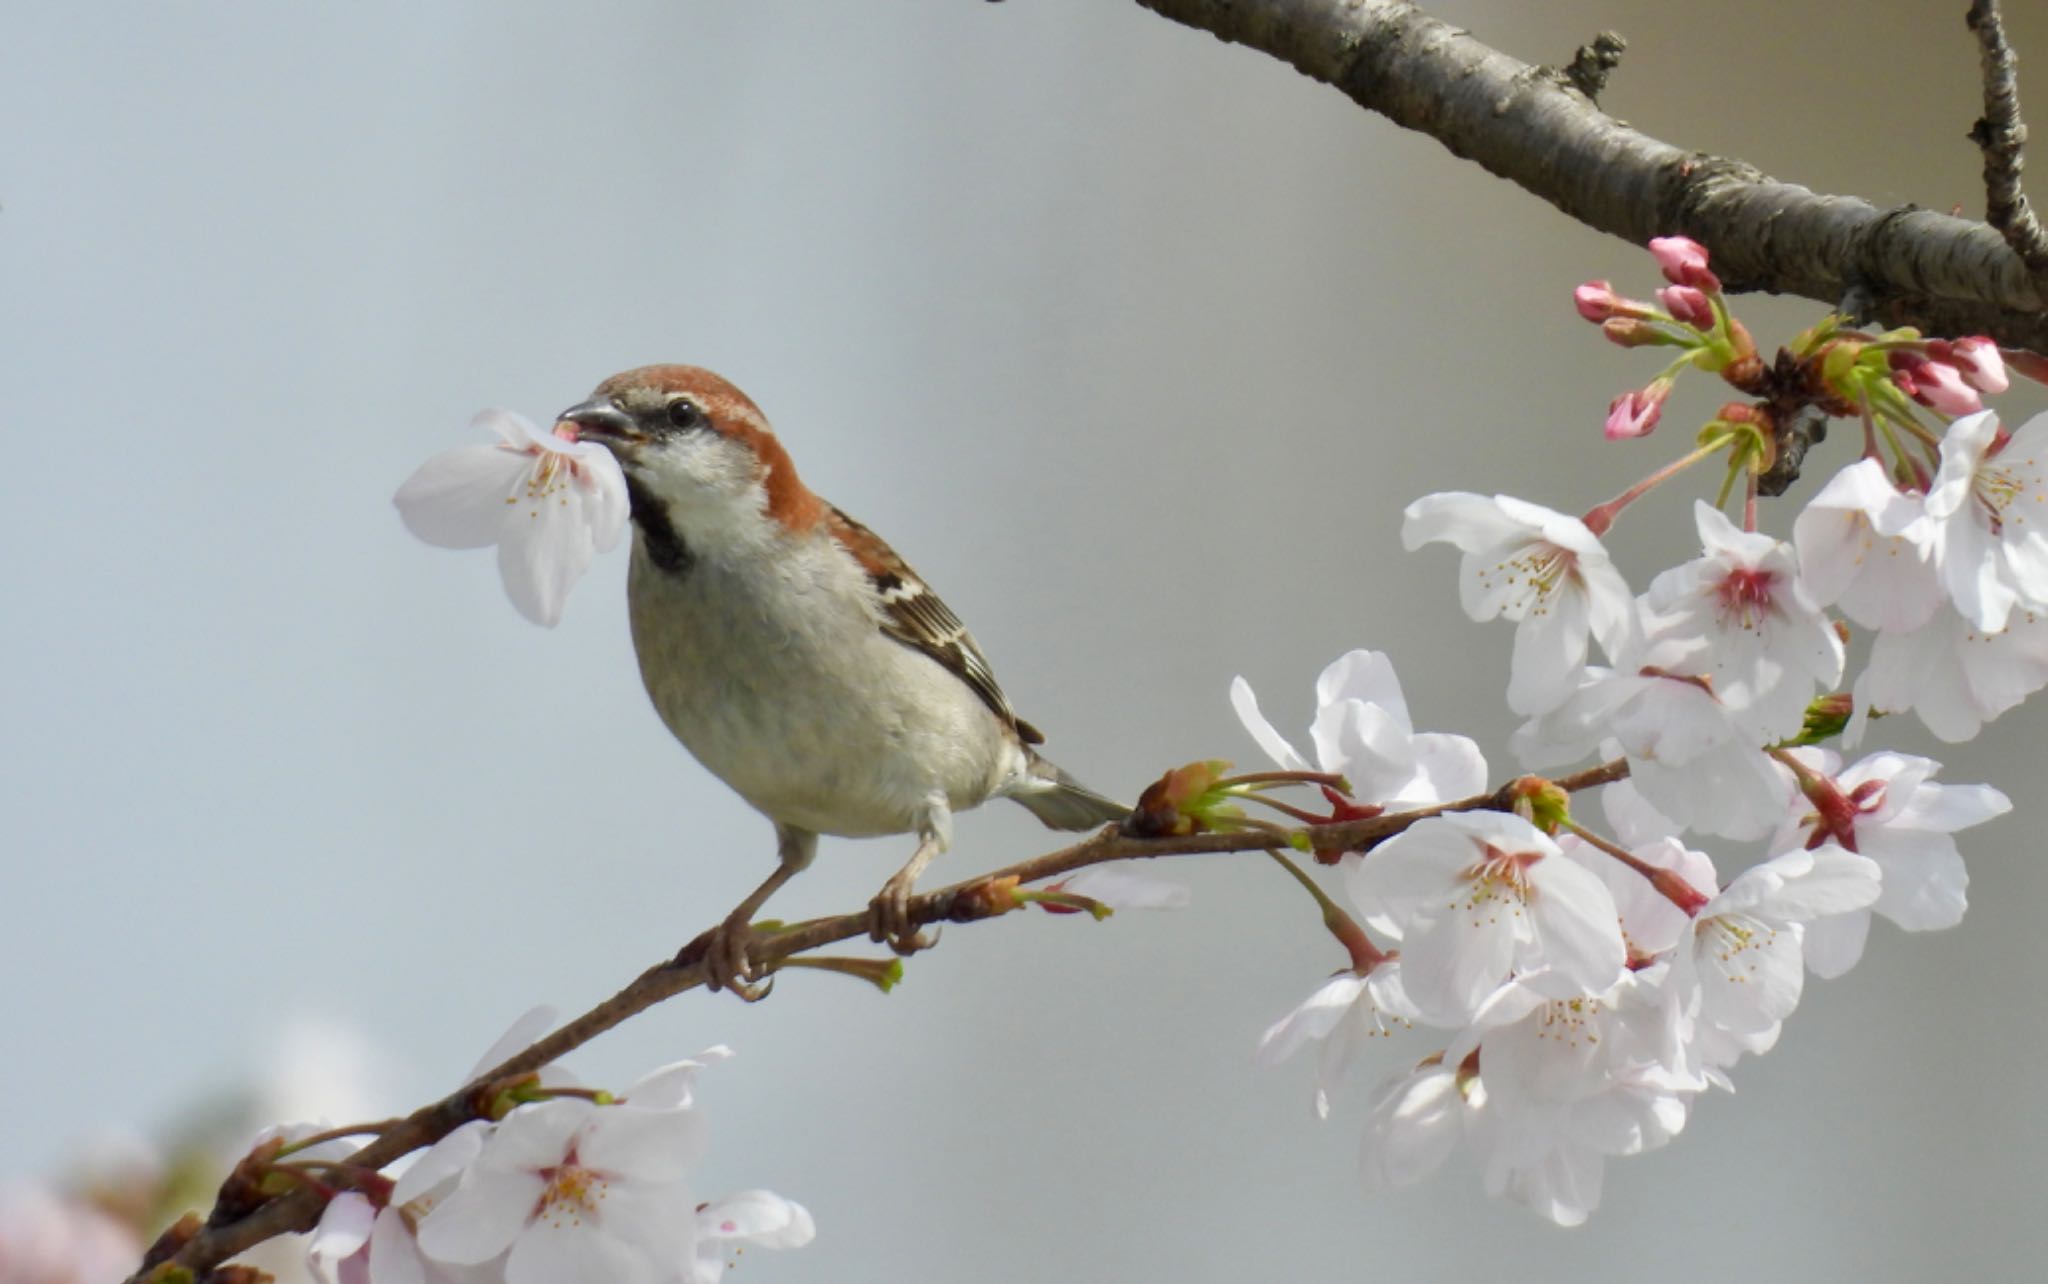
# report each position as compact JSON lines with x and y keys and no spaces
{"x":2002,"y":136}
{"x":234,"y":1226}
{"x":1946,"y":274}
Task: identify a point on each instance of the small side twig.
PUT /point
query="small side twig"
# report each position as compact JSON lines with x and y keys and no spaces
{"x":1592,"y":64}
{"x":2002,"y":136}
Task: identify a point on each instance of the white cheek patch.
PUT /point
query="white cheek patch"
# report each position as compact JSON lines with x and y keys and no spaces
{"x":711,"y":487}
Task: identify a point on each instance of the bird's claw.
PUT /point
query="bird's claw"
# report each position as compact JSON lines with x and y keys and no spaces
{"x":726,"y":966}
{"x":889,"y":921}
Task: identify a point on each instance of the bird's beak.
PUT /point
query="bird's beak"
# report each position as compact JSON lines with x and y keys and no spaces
{"x":599,"y":419}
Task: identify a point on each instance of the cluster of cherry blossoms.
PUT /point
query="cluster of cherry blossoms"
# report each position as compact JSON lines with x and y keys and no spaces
{"x":557,"y":1182}
{"x":1585,"y":987}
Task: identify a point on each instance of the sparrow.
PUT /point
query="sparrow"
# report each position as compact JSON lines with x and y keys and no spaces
{"x":797,"y":657}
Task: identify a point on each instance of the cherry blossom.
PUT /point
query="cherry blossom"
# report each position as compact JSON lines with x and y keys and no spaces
{"x":1988,"y":506}
{"x":1888,"y":808}
{"x":1745,"y":960}
{"x":1474,"y":897}
{"x":1362,"y":732}
{"x":549,"y":504}
{"x":1686,"y":754}
{"x":749,"y":1219}
{"x":1739,"y":618}
{"x":1865,"y":548}
{"x":1953,"y":675}
{"x":1340,"y":1018}
{"x":568,"y":1189}
{"x":1539,"y":568}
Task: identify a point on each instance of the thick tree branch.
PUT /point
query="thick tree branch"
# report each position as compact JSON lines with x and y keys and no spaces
{"x":2002,"y":136}
{"x":234,"y":1226}
{"x":1946,"y":274}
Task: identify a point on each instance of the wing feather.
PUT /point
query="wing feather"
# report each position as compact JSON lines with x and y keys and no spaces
{"x":917,"y":617}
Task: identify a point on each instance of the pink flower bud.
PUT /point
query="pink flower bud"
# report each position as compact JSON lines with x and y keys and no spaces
{"x":1597,"y":302}
{"x":1634,"y":414}
{"x":1934,"y":383}
{"x":1978,"y":360}
{"x":1684,"y":262}
{"x":1687,"y":304}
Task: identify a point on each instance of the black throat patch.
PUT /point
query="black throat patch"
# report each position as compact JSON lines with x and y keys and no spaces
{"x":665,"y":548}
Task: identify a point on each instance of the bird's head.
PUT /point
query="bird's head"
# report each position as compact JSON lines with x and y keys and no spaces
{"x":697,"y":446}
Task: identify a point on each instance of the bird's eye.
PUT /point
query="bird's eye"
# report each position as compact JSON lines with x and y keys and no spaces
{"x":685,"y":413}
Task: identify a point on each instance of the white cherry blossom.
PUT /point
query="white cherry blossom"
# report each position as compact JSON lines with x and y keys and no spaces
{"x":1888,"y":808}
{"x":550,"y":504}
{"x":1539,"y":568}
{"x":1687,"y":755}
{"x":1866,"y":548}
{"x":1739,"y":618}
{"x":1745,"y":960}
{"x":1953,"y":675}
{"x":568,"y":1189}
{"x":1362,"y":732}
{"x":1339,"y":1018}
{"x":749,"y":1219}
{"x":1989,"y":515}
{"x":1474,"y":897}
{"x":1417,"y":1120}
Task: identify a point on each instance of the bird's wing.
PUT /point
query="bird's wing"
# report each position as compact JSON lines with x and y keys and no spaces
{"x":915,"y":616}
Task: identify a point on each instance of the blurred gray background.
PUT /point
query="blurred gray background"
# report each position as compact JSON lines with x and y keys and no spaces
{"x":1135,"y":344}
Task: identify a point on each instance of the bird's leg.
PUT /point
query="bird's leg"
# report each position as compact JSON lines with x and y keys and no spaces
{"x":889,"y":912}
{"x":726,"y":966}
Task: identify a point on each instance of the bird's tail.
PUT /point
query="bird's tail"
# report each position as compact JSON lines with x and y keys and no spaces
{"x":1063,"y":802}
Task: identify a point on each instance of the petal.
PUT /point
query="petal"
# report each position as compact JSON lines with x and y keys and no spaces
{"x":1414,"y":1127}
{"x":647,"y":1145}
{"x":1834,"y":944}
{"x":524,"y":1033}
{"x":535,"y":1136}
{"x":480,"y":1218}
{"x":344,"y":1228}
{"x":1835,"y":882}
{"x":457,"y":499}
{"x":1926,"y":886}
{"x":759,"y":1217}
{"x":1274,"y":744}
{"x":1314,"y":1019}
{"x":1948,"y":808}
{"x":1466,"y":521}
{"x":1550,"y":649}
{"x":394,"y":1253}
{"x":544,"y":547}
{"x":1449,"y":767}
{"x":552,"y":1253}
{"x":1451,"y":965}
{"x":1578,"y":928}
{"x":1367,"y":676}
{"x":443,"y":1161}
{"x":1122,"y":888}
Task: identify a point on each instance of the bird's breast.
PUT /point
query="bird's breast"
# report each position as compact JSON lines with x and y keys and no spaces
{"x":776,"y":676}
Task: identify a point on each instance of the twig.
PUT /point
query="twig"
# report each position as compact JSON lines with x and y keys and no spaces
{"x":2002,"y":136}
{"x":1593,"y":63}
{"x":1945,"y":274}
{"x":234,"y":1228}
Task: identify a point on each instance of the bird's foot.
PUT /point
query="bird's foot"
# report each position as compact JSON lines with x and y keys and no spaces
{"x":726,"y":965}
{"x":889,"y":918}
